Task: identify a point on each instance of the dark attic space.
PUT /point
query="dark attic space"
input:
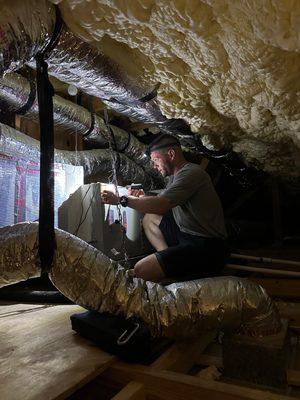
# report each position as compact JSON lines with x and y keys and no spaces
{"x":149,"y":191}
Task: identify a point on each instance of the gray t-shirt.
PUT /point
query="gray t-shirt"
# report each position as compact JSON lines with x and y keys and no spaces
{"x":199,"y":210}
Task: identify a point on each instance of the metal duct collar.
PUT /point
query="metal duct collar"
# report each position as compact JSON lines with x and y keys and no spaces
{"x":181,"y":310}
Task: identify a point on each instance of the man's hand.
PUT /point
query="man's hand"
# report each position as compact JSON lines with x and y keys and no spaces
{"x":109,"y":197}
{"x":145,"y":204}
{"x":136,"y":192}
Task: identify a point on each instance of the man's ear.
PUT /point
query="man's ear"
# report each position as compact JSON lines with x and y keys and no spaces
{"x":171,"y":153}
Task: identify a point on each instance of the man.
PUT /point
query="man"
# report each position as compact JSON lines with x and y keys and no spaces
{"x":184,"y":223}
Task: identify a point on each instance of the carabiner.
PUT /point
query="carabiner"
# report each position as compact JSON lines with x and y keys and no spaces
{"x":122,"y":341}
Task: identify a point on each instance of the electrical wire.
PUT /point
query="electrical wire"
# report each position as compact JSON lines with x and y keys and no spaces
{"x":80,"y":219}
{"x":114,"y":180}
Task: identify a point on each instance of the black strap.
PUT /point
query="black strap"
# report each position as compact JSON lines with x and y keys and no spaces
{"x":150,"y":95}
{"x":112,"y":136}
{"x":31,"y":98}
{"x":45,"y":94}
{"x":46,"y":213}
{"x":91,"y":128}
{"x":112,"y":140}
{"x":46,"y":50}
{"x":195,"y":141}
{"x":122,"y":149}
{"x":136,"y":102}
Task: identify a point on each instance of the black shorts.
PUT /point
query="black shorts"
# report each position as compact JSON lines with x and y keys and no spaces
{"x":189,"y":256}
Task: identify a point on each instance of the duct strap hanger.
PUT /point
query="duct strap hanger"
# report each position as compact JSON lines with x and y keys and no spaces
{"x":112,"y":141}
{"x":112,"y":136}
{"x":55,"y":35}
{"x":231,"y":162}
{"x":145,"y":99}
{"x":122,"y":150}
{"x":30,"y":100}
{"x":46,"y":212}
{"x":31,"y":97}
{"x":92,"y":126}
{"x":150,"y":95}
{"x":45,"y":94}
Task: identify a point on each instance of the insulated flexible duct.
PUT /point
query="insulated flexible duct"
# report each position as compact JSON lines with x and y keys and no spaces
{"x":180,"y":310}
{"x":96,"y":163}
{"x":15,"y":90}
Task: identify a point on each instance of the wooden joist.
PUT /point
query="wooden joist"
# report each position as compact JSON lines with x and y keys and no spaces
{"x":293,"y":377}
{"x":132,"y":391}
{"x":285,"y":288}
{"x":212,"y":356}
{"x":182,"y":355}
{"x":171,"y":385}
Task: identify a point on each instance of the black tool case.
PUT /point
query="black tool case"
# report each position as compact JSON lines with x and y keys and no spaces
{"x":128,"y":339}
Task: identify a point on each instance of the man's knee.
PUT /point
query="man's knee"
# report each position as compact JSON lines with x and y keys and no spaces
{"x":142,"y":269}
{"x":149,"y":269}
{"x":139,"y":269}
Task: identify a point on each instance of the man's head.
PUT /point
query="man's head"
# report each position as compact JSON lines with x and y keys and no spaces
{"x":165,"y":153}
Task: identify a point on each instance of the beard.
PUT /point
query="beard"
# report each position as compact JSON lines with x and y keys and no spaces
{"x":166,"y":169}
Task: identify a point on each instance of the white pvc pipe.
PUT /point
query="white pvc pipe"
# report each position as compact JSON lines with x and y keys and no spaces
{"x":268,"y":271}
{"x":265,"y":259}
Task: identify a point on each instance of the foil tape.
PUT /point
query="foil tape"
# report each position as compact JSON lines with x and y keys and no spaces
{"x":97,"y":164}
{"x":73,"y":119}
{"x":180,"y":310}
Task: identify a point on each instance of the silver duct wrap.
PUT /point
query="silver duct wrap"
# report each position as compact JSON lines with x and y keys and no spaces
{"x":180,"y":310}
{"x":73,"y":119}
{"x":73,"y":61}
{"x":25,"y":26}
{"x":98,"y":76}
{"x":97,"y":164}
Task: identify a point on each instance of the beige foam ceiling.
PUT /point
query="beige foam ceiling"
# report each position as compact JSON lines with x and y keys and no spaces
{"x":230,"y":68}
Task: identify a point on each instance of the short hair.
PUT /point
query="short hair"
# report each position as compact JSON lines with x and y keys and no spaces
{"x":162,"y":142}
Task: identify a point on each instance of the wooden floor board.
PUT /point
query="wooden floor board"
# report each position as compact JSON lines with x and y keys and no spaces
{"x":41,"y":357}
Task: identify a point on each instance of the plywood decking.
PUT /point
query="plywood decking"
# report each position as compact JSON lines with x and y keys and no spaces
{"x":40,"y":356}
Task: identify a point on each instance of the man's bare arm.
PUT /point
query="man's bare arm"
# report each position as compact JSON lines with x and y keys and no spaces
{"x":145,"y":204}
{"x":150,"y":204}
